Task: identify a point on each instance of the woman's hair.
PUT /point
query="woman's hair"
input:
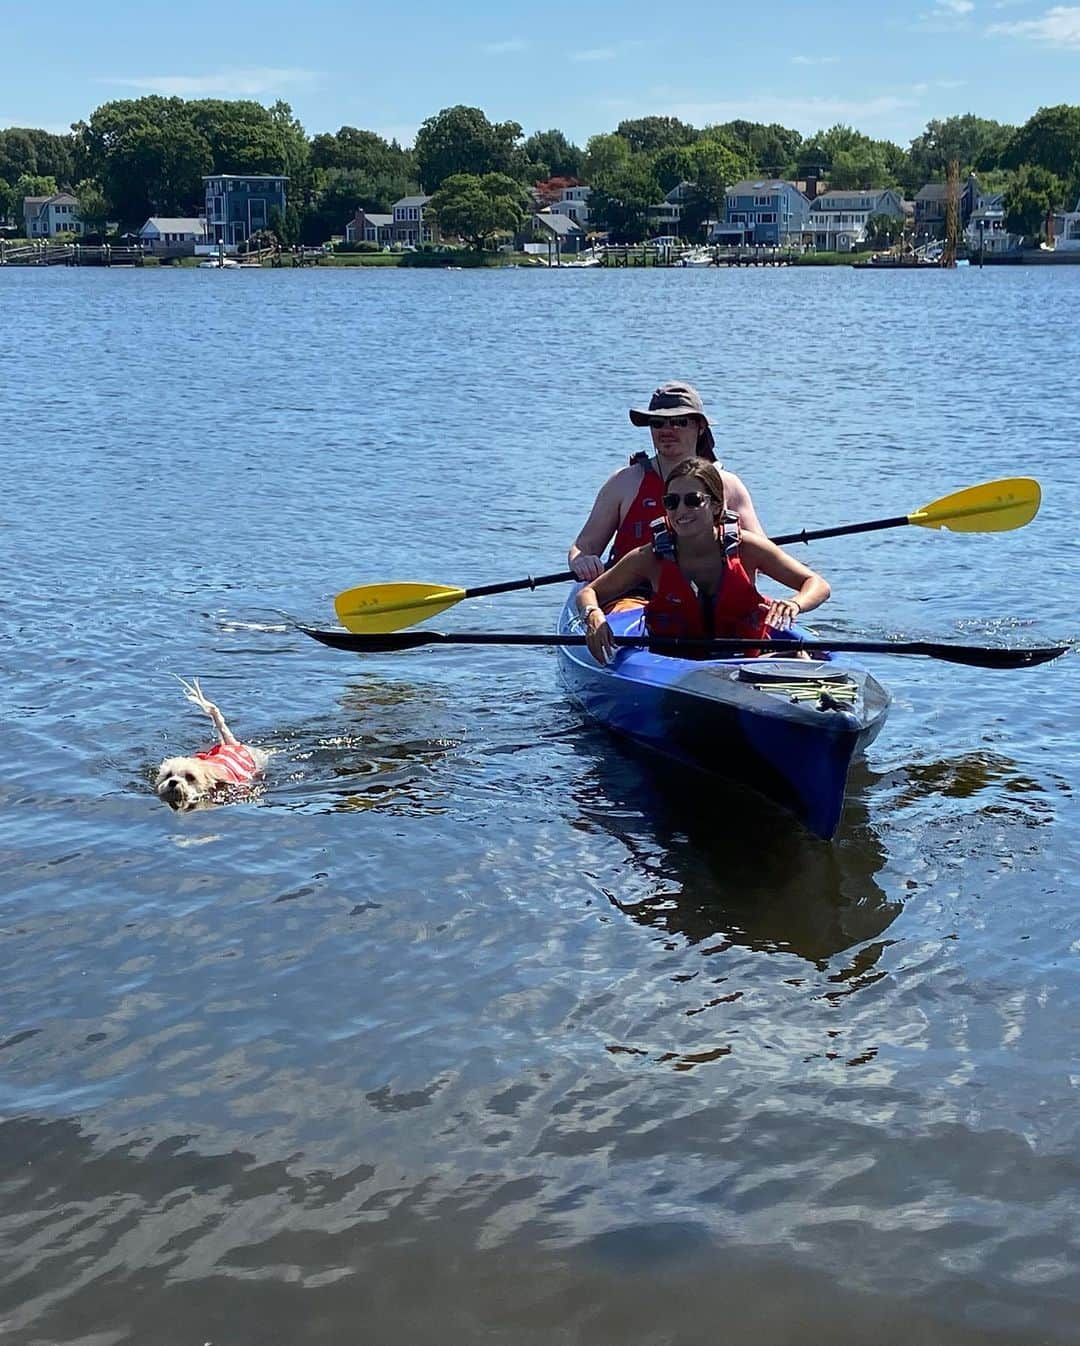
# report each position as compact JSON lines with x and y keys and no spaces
{"x":707,"y":474}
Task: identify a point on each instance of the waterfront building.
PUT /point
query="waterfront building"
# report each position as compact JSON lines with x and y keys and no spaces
{"x":47,"y":216}
{"x":574,"y":204}
{"x":1067,"y":230}
{"x":172,"y":236}
{"x":367,"y":226}
{"x":838,"y":220}
{"x":930,"y":202}
{"x":238,"y":205}
{"x":765,"y":211}
{"x":555,"y":232}
{"x":411,"y":226}
{"x":666,"y":216}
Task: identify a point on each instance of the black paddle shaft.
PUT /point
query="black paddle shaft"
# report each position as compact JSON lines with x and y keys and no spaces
{"x":976,"y":656}
{"x":813,"y":535}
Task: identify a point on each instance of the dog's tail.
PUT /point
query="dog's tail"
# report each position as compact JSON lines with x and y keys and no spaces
{"x":194,"y":692}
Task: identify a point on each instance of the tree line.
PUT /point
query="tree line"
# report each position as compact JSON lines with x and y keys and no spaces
{"x":147,"y":156}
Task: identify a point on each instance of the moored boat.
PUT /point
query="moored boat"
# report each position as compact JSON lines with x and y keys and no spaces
{"x":786,"y":727}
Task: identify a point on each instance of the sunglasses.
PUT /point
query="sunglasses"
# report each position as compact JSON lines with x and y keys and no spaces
{"x":692,"y":499}
{"x":679,"y":422}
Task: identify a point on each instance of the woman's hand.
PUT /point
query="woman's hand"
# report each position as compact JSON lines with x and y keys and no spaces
{"x":782,"y":612}
{"x":599,"y":638}
{"x":587,"y":567}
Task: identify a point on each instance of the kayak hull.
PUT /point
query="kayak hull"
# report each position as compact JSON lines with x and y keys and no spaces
{"x":786,"y":728}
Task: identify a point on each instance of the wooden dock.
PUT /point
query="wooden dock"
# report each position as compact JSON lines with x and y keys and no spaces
{"x":44,"y":253}
{"x":641,"y":254}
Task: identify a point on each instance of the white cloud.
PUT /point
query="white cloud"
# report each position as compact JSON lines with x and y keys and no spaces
{"x":248,"y":83}
{"x":946,"y":14}
{"x":1058,"y":27}
{"x":956,"y":6}
{"x":503,"y":48}
{"x":594,"y":54}
{"x":814,"y":60}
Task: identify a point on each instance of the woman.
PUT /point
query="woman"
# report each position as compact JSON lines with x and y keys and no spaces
{"x":698,"y":571}
{"x":629,"y":500}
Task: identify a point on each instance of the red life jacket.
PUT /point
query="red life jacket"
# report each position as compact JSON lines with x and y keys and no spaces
{"x":234,"y":758}
{"x":645,"y":508}
{"x":647,"y":505}
{"x":676,"y":610}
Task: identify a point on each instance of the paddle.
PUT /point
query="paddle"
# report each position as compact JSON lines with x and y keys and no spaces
{"x":993,"y":507}
{"x":978,"y":656}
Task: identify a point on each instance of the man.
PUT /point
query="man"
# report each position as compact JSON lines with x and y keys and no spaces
{"x":630,"y":499}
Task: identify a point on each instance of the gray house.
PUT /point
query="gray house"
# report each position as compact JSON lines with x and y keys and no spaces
{"x":838,"y":219}
{"x":239,"y":205}
{"x":558,"y":231}
{"x":767,"y":211}
{"x":930,"y":204}
{"x":410,"y":226}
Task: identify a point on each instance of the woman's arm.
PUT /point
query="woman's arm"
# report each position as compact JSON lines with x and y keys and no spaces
{"x":636,"y":567}
{"x":811,"y":589}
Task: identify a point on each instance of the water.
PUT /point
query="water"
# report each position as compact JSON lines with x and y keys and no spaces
{"x":469,"y":1026}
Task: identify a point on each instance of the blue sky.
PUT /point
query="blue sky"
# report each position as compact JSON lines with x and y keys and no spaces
{"x":581,"y":67}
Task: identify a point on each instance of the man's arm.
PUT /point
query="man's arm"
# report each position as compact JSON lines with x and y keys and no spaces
{"x":737,"y":498}
{"x":585,"y":556}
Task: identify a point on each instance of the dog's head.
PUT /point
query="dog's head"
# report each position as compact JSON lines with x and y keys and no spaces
{"x":183,"y":781}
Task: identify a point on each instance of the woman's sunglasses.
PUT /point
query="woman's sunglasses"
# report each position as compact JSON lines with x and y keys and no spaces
{"x":692,"y":499}
{"x":658,"y":422}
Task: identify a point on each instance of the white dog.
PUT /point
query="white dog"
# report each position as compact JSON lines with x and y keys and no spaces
{"x":183,"y":781}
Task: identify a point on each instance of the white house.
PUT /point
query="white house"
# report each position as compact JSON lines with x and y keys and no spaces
{"x":47,"y":216}
{"x":574,"y":204}
{"x":1067,"y":230}
{"x":985,"y":231}
{"x":838,"y":219}
{"x":163,"y":233}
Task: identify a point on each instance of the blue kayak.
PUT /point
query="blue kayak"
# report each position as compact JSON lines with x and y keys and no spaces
{"x":786,"y":727}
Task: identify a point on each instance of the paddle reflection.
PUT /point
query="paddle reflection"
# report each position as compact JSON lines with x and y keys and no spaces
{"x":727,"y":864}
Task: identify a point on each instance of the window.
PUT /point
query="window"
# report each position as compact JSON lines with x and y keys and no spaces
{"x":767,"y":217}
{"x":763,"y":200}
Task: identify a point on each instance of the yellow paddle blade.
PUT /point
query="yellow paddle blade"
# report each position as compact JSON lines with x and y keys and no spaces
{"x":993,"y":507}
{"x":375,"y":609}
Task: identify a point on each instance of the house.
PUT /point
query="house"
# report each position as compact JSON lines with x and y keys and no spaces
{"x":410,"y":227}
{"x":368,"y":227}
{"x":47,"y":216}
{"x":930,"y":202}
{"x":1067,"y":230}
{"x":768,"y":211}
{"x":172,"y":236}
{"x":838,"y":219}
{"x":985,"y":232}
{"x":556,"y":232}
{"x":239,"y":205}
{"x":666,"y":216}
{"x":574,"y":204}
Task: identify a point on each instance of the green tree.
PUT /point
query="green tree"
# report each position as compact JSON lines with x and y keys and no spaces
{"x":147,"y":155}
{"x":621,"y":198}
{"x":461,"y":140}
{"x":771,"y":149}
{"x":360,"y":151}
{"x":338,"y":195}
{"x":1049,"y":140}
{"x":715,"y":166}
{"x":882,"y":231}
{"x":553,"y":156}
{"x":1034,"y":194}
{"x":8,"y":207}
{"x":40,"y":153}
{"x":93,"y":207}
{"x":975,"y":142}
{"x":476,"y":207}
{"x":646,"y":135}
{"x":604,"y":154}
{"x":33,"y":184}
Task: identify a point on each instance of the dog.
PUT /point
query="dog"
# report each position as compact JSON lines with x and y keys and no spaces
{"x":184,"y":782}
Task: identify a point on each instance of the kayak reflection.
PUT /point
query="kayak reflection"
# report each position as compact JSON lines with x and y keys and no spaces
{"x":715,"y":861}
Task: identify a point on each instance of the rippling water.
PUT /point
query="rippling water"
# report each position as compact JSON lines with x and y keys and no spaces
{"x":470,"y":1026}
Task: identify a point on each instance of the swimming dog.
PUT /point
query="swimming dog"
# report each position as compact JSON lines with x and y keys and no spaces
{"x":182,"y":782}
